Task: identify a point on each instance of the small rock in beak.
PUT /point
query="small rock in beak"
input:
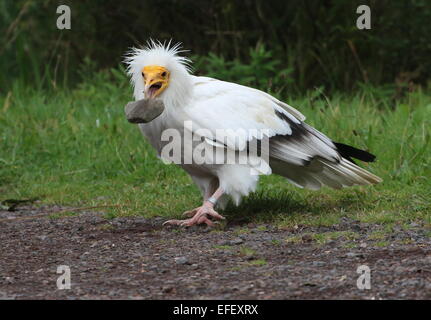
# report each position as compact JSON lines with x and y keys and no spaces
{"x":144,"y":110}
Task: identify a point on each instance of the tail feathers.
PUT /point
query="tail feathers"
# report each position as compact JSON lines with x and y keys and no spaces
{"x":321,"y":172}
{"x":350,"y":174}
{"x":350,"y":152}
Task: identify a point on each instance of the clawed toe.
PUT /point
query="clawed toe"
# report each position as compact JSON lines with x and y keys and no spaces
{"x":197,"y":216}
{"x":189,"y":222}
{"x":216,"y":215}
{"x":173,"y":222}
{"x":190,"y":213}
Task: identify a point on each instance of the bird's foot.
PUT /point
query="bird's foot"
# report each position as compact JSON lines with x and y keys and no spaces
{"x":197,"y":216}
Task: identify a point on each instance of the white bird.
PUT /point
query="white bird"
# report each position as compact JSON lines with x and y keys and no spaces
{"x":297,"y":151}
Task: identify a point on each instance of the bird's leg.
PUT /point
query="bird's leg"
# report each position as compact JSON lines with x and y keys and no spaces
{"x":202,"y":213}
{"x":209,"y":191}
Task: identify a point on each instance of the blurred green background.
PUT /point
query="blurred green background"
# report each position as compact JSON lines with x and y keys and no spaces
{"x":307,"y":43}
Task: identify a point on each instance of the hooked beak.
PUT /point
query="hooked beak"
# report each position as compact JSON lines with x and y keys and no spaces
{"x":156,"y":80}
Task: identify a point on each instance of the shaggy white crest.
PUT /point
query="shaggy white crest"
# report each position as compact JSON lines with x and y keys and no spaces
{"x":164,"y":55}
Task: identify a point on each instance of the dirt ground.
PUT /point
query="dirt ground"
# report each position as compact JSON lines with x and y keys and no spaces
{"x":137,"y":258}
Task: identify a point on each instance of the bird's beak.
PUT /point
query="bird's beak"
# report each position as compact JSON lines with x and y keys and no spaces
{"x":156,"y":80}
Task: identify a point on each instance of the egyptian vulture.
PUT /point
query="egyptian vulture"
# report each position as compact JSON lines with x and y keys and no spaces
{"x":265,"y":135}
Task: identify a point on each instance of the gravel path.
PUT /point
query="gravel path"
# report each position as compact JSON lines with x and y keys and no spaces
{"x":136,"y":258}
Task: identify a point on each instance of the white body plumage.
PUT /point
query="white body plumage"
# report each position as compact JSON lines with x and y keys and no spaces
{"x":303,"y":155}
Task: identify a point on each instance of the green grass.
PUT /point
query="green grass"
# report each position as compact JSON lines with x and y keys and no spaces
{"x":258,"y":262}
{"x":378,"y":235}
{"x":322,"y":238}
{"x":247,"y":252}
{"x":53,"y":149}
{"x":223,"y":247}
{"x":382,"y":244}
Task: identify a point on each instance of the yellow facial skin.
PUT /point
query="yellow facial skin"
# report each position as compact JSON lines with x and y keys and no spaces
{"x":156,"y":79}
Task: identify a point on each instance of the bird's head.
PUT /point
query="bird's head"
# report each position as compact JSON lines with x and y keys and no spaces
{"x":157,"y":71}
{"x":156,"y":80}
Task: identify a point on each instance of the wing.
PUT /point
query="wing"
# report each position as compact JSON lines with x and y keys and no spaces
{"x":252,"y":114}
{"x":297,"y":151}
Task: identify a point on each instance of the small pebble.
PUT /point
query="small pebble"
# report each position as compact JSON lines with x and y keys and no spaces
{"x":318,"y":263}
{"x":181,"y":260}
{"x":9,"y":280}
{"x":236,"y":241}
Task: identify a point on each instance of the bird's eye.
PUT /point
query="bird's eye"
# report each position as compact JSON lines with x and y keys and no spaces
{"x":164,"y":74}
{"x":143,"y":75}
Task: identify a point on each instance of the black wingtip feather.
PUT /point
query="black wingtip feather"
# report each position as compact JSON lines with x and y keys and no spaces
{"x":350,"y":152}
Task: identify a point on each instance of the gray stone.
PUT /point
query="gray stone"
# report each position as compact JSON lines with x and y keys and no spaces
{"x":236,"y":241}
{"x":354,"y":255}
{"x":181,"y":260}
{"x":318,"y":263}
{"x":143,"y":111}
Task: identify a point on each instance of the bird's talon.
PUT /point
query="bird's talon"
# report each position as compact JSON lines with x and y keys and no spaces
{"x":196,"y":216}
{"x":172,"y":222}
{"x":190,"y":213}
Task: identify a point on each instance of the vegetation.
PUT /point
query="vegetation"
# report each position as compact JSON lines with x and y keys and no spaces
{"x":64,"y":138}
{"x":74,"y":147}
{"x":316,"y":41}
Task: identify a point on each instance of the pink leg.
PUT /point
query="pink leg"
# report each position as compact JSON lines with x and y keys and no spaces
{"x":212,"y":188}
{"x":201,"y":214}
